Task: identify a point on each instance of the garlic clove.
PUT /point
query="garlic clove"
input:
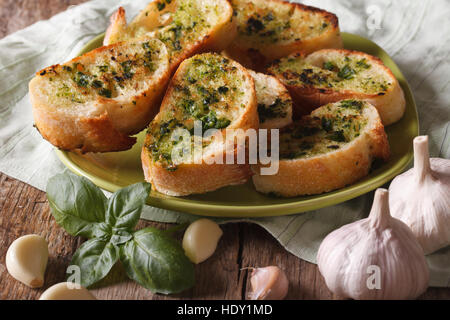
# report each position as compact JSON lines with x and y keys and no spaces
{"x":67,"y":291}
{"x":269,"y":283}
{"x":26,"y":260}
{"x":374,"y":258}
{"x":200,"y":240}
{"x":420,"y":197}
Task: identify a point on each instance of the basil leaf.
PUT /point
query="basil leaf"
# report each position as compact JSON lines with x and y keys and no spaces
{"x":120,"y":237}
{"x":77,"y":205}
{"x":157,"y":262}
{"x":95,"y":258}
{"x":125,"y":205}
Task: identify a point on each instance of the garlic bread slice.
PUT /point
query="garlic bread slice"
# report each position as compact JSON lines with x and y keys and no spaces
{"x":186,"y":27}
{"x":271,"y":29}
{"x":94,"y":102}
{"x":332,"y":147}
{"x":331,"y":75}
{"x":217,"y":93}
{"x":274,"y":101}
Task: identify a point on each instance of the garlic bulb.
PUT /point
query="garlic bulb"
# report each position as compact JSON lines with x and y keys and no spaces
{"x":420,"y":198}
{"x":374,"y":258}
{"x":269,"y":283}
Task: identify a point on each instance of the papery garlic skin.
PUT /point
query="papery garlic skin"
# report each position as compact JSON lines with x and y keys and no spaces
{"x":420,"y":198}
{"x":353,"y":257}
{"x":26,"y":260}
{"x":67,"y":291}
{"x":269,"y":283}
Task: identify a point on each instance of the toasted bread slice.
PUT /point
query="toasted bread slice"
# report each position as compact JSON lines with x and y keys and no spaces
{"x":220,"y":94}
{"x":274,"y":101}
{"x":187,"y":27}
{"x":156,"y":14}
{"x":94,"y":102}
{"x":271,"y":29}
{"x":329,"y":149}
{"x":331,"y":75}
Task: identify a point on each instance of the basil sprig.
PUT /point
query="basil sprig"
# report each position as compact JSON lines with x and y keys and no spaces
{"x":150,"y":256}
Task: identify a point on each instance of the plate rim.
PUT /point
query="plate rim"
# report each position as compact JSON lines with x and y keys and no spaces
{"x":182,"y":204}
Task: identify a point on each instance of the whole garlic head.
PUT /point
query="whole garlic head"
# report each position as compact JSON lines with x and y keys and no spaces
{"x":26,"y":260}
{"x":374,"y":258}
{"x":420,"y":198}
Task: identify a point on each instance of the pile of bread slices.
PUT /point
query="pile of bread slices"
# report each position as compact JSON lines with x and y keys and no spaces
{"x":238,"y":64}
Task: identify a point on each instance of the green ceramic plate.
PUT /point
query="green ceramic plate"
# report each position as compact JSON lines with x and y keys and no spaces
{"x":112,"y":171}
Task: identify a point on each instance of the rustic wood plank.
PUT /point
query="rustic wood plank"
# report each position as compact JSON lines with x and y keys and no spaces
{"x":216,"y":278}
{"x":17,"y":14}
{"x":24,"y":210}
{"x":304,"y":278}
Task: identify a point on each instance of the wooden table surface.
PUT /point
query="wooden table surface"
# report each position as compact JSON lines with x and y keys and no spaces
{"x":25,"y":210}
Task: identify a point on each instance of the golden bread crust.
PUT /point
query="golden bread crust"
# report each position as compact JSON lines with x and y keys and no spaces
{"x":256,"y":56}
{"x":194,"y":178}
{"x":390,"y":103}
{"x":330,"y":171}
{"x":97,"y":123}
